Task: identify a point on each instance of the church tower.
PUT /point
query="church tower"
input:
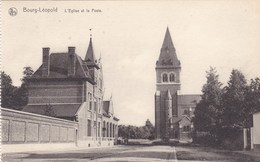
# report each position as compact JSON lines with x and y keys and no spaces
{"x":168,"y":69}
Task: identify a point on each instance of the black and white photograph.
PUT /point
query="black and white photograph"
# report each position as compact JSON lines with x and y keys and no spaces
{"x":130,"y":81}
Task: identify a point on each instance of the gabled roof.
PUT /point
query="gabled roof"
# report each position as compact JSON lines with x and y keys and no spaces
{"x":108,"y":109}
{"x":168,"y":55}
{"x":60,"y":110}
{"x":59,"y":67}
{"x":176,"y":119}
{"x":106,"y":105}
{"x":188,"y":99}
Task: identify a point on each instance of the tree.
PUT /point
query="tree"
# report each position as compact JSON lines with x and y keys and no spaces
{"x":234,"y":100}
{"x":7,"y":89}
{"x":208,"y":110}
{"x":122,"y":131}
{"x":234,"y":107}
{"x":255,"y":94}
{"x":134,"y":132}
{"x":148,"y":124}
{"x":27,"y":73}
{"x":252,"y":102}
{"x":21,"y":94}
{"x":150,"y":129}
{"x":49,"y":111}
{"x":15,"y":97}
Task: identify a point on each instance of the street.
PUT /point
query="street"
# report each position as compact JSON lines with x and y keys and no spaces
{"x":117,"y":153}
{"x":138,"y":153}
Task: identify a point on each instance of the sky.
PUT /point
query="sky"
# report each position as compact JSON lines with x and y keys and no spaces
{"x":128,"y":35}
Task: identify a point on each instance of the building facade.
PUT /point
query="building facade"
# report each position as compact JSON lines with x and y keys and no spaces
{"x":255,"y":132}
{"x":69,"y":88}
{"x":173,"y":111}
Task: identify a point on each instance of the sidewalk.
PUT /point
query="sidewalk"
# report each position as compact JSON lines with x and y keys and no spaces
{"x":30,"y":148}
{"x":254,"y":153}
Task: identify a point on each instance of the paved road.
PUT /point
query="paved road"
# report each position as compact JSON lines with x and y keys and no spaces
{"x":114,"y":154}
{"x":138,"y":153}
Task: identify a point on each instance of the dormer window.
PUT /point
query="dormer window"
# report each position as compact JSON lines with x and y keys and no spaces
{"x":172,"y":77}
{"x":165,"y":78}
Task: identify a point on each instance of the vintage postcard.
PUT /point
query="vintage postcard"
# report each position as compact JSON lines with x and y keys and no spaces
{"x":130,"y":80}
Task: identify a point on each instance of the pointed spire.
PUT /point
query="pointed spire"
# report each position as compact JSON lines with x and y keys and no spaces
{"x":167,"y":42}
{"x":168,"y":55}
{"x":169,"y":96}
{"x":90,"y":57}
{"x":111,"y":110}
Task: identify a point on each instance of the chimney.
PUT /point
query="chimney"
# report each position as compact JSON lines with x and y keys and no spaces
{"x":71,"y":61}
{"x":45,"y":62}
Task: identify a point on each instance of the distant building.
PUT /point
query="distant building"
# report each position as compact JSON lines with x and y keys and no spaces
{"x":255,"y":132}
{"x":66,"y":88}
{"x":173,"y":111}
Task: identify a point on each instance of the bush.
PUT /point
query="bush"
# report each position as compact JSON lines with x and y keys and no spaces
{"x":232,"y":138}
{"x":203,"y":138}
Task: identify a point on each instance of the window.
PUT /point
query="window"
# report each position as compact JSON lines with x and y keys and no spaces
{"x":172,"y":77}
{"x":165,"y":78}
{"x":90,"y":101}
{"x":99,"y":129}
{"x":99,"y":105}
{"x":95,"y":129}
{"x":95,"y":106}
{"x":89,"y":127}
{"x":186,"y":128}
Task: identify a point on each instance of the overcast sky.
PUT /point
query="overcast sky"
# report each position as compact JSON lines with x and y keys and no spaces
{"x":128,"y":35}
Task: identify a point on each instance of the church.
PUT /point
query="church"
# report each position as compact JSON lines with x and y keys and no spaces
{"x":173,"y":111}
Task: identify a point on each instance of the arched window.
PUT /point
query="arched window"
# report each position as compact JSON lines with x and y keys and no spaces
{"x":165,"y":78}
{"x":172,"y":77}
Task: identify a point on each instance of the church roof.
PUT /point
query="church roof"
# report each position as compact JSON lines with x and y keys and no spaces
{"x":188,"y":99}
{"x":59,"y":67}
{"x":168,"y":55}
{"x":60,"y":110}
{"x":177,"y":119}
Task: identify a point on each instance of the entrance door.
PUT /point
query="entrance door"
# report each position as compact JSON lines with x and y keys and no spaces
{"x":248,"y":135}
{"x":76,"y":137}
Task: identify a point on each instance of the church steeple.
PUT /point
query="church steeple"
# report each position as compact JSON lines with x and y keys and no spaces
{"x":167,"y":85}
{"x":168,"y":55}
{"x":90,"y":55}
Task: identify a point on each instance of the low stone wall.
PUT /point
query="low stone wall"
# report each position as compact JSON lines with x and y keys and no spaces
{"x":26,"y":128}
